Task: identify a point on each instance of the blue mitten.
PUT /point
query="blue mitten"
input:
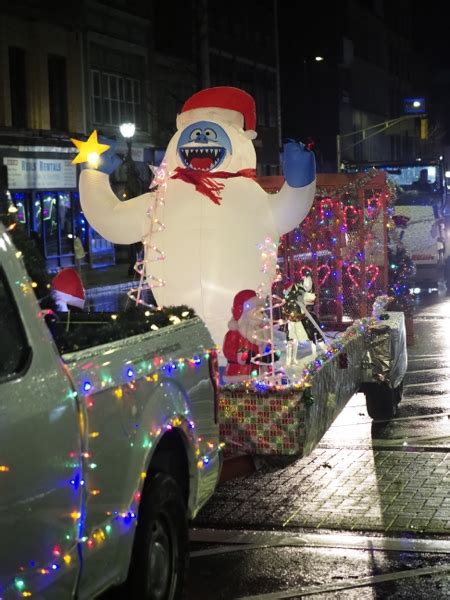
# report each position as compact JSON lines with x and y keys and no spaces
{"x":108,"y":161}
{"x":299,"y":165}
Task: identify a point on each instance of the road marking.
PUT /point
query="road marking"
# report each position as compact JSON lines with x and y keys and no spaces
{"x":360,"y":445}
{"x":434,"y":416}
{"x":408,"y":441}
{"x":431,"y":383}
{"x":238,"y":541}
{"x":437,"y":369}
{"x":416,"y":397}
{"x":427,"y":357}
{"x":368,"y":421}
{"x":349,"y":584}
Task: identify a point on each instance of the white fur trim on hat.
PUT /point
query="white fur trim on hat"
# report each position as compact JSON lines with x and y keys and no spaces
{"x":63,"y":300}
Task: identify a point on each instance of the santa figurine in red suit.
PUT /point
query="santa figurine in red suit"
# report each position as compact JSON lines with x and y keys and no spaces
{"x":241,"y":342}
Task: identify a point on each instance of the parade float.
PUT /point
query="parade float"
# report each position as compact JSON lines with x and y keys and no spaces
{"x":342,"y":250}
{"x":217,"y":239}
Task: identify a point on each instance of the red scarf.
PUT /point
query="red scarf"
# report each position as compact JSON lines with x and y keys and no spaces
{"x":204,"y":181}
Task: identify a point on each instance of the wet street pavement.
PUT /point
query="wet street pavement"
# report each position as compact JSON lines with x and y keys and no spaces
{"x":365,"y":515}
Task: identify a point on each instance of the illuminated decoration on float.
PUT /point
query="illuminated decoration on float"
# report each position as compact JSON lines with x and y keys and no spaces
{"x":343,"y":244}
{"x":269,"y":335}
{"x":90,"y":150}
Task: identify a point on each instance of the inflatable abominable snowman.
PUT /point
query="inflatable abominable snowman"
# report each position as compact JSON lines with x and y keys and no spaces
{"x":215,"y":213}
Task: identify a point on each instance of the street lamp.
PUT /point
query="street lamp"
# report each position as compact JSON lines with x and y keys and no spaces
{"x":128,"y":130}
{"x":133,"y":185}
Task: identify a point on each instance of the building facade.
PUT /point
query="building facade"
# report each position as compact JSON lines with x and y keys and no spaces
{"x":209,"y":45}
{"x":65,"y":71}
{"x":41,"y":100}
{"x":367,"y":67}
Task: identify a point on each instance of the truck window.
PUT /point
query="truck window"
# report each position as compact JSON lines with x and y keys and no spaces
{"x":14,"y":349}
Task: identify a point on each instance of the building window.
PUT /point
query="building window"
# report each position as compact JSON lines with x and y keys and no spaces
{"x":57,"y":92}
{"x":18,"y":87}
{"x":115,"y":99}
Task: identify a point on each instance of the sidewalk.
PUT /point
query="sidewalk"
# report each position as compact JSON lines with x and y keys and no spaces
{"x":358,"y":490}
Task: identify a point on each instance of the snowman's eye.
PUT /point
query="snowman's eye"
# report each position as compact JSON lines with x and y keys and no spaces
{"x":210,"y":134}
{"x":195,"y":133}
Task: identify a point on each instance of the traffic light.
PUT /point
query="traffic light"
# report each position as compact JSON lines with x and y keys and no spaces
{"x":424,"y":128}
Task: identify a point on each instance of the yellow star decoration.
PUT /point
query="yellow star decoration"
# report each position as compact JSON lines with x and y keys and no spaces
{"x":90,"y":150}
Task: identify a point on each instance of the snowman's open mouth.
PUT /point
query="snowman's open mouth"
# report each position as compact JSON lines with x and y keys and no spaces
{"x":202,"y":158}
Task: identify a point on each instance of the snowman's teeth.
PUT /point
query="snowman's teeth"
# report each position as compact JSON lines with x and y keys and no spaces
{"x":214,"y":153}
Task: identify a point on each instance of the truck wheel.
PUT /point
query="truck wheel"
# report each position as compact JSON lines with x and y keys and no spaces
{"x":381,"y":400}
{"x":160,"y":552}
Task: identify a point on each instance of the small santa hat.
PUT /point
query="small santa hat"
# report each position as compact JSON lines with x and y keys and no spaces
{"x":243,"y":301}
{"x":229,"y":104}
{"x":68,"y":289}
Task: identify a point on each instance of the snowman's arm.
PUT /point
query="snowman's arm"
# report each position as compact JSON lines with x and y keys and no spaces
{"x":291,"y":205}
{"x":118,"y":222}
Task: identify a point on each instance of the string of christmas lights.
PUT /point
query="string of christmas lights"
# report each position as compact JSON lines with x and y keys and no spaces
{"x":342,"y":244}
{"x":28,"y":581}
{"x":147,"y":280}
{"x":266,"y":359}
{"x":302,"y":382}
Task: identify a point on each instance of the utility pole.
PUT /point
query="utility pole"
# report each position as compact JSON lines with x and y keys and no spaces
{"x":373,"y":129}
{"x":277,"y":59}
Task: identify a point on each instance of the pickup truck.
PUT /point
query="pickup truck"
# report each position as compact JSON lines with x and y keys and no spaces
{"x":106,"y":452}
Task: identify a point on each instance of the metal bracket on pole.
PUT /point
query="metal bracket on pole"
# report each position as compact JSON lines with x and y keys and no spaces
{"x":380,"y":128}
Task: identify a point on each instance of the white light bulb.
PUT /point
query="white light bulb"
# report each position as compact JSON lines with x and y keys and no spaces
{"x":93,"y":159}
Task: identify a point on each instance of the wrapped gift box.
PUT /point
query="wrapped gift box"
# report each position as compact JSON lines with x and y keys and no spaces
{"x":261,"y":423}
{"x":292,"y":421}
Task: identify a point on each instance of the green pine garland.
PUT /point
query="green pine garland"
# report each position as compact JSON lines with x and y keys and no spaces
{"x":75,"y":331}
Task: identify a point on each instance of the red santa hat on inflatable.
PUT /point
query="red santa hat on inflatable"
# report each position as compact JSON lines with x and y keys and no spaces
{"x":227,"y":104}
{"x":68,"y":290}
{"x":243,"y":301}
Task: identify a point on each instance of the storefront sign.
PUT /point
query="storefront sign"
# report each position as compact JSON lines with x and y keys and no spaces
{"x":40,"y":173}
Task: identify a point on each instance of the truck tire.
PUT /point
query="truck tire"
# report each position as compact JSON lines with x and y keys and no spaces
{"x":160,"y":552}
{"x":381,"y":400}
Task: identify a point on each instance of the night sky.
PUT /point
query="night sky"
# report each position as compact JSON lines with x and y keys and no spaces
{"x":431,"y":32}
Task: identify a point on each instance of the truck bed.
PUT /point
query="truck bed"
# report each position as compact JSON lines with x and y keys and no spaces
{"x":73,"y":331}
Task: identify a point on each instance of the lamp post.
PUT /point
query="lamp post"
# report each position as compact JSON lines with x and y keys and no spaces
{"x":133,"y":184}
